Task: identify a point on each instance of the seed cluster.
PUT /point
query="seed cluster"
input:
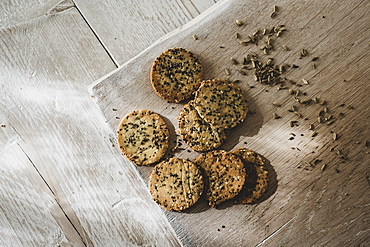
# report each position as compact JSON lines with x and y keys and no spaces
{"x":268,"y":73}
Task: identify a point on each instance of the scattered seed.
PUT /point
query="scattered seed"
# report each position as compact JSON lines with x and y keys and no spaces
{"x":337,"y":151}
{"x":312,"y":127}
{"x":303,"y":52}
{"x":276,"y":104}
{"x":330,"y":122}
{"x":314,"y":99}
{"x":238,"y":23}
{"x":242,"y":72}
{"x":325,"y":109}
{"x":343,"y":157}
{"x":298,"y":114}
{"x":291,"y":91}
{"x":323,"y":102}
{"x":3,"y":126}
{"x":306,"y":101}
{"x":114,"y":109}
{"x":221,"y":46}
{"x":236,"y":81}
{"x":237,"y":36}
{"x":293,"y":123}
{"x":313,"y":134}
{"x":294,"y":66}
{"x":285,"y":48}
{"x":276,"y":116}
{"x":195,"y":37}
{"x":227,"y":71}
{"x":320,"y":120}
{"x":244,"y":42}
{"x":275,"y":9}
{"x":273,"y":14}
{"x":366,"y":144}
{"x":323,"y":167}
{"x":314,"y":59}
{"x":350,"y":107}
{"x":314,"y":66}
{"x":305,"y":81}
{"x":234,"y":61}
{"x":335,"y":136}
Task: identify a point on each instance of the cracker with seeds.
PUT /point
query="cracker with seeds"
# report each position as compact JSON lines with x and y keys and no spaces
{"x":197,"y":133}
{"x":176,"y":74}
{"x":143,"y":137}
{"x":176,"y":184}
{"x":221,"y":103}
{"x":257,"y":180}
{"x":224,"y":175}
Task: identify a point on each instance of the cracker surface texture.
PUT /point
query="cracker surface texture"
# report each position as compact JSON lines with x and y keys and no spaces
{"x":221,"y":103}
{"x":224,"y":175}
{"x":176,"y":74}
{"x":197,"y":133}
{"x":176,"y":184}
{"x":143,"y":137}
{"x":257,"y":180}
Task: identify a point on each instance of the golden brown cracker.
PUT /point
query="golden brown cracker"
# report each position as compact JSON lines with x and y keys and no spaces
{"x":176,"y":74}
{"x":197,"y":133}
{"x":221,"y":103}
{"x":176,"y":184}
{"x":143,"y":137}
{"x":257,"y":180}
{"x":224,"y":174}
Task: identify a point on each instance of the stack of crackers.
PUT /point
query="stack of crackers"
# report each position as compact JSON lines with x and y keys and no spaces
{"x":217,"y":107}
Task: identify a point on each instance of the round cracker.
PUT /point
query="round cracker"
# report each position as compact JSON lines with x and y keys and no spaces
{"x":221,"y":103}
{"x":197,"y":133}
{"x":257,"y":180}
{"x":176,"y":74}
{"x":143,"y":137}
{"x":224,"y":175}
{"x":176,"y":184}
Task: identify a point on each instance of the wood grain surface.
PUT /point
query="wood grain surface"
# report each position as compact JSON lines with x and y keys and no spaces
{"x":319,"y":187}
{"x":125,"y":28}
{"x":62,"y":180}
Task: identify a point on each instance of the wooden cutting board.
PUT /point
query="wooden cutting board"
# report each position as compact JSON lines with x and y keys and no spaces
{"x":319,"y":179}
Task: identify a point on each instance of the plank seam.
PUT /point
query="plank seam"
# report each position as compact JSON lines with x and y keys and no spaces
{"x":61,"y":208}
{"x":97,"y":37}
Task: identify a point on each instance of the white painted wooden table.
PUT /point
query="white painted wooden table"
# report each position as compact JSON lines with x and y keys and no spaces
{"x":62,"y":181}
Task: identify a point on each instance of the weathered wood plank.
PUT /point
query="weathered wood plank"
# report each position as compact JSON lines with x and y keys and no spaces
{"x":30,"y":215}
{"x":16,"y":12}
{"x":128,"y":27}
{"x":46,"y":65}
{"x":307,"y":204}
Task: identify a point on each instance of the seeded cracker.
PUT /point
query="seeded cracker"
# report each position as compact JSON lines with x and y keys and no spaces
{"x":198,"y":134}
{"x":143,"y":137}
{"x":221,"y":103}
{"x":176,"y":184}
{"x":224,"y":175}
{"x":176,"y":74}
{"x":257,"y":180}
